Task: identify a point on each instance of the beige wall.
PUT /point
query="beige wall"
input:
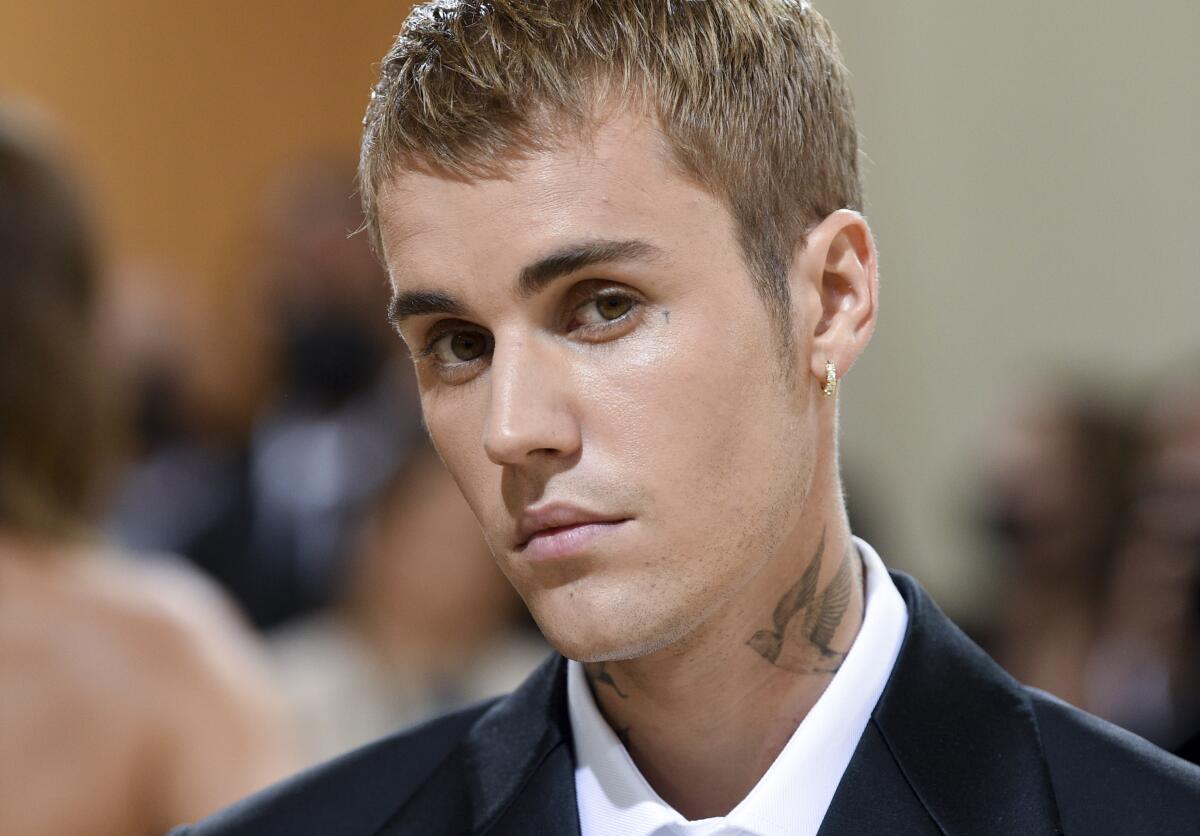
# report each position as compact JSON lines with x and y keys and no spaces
{"x":1035,"y":189}
{"x":1034,"y":186}
{"x":179,"y":112}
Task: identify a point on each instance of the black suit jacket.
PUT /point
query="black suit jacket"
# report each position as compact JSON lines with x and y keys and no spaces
{"x":954,"y":746}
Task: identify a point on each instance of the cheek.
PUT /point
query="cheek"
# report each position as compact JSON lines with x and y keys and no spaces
{"x":698,"y":413}
{"x":457,"y":436}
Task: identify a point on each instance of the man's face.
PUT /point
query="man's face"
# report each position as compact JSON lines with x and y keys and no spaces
{"x":604,"y":383}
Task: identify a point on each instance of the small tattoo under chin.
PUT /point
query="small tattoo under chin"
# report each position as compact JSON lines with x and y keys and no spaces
{"x":805,"y":623}
{"x":598,"y":675}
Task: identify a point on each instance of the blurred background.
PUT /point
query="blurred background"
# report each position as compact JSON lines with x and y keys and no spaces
{"x":1023,"y":436}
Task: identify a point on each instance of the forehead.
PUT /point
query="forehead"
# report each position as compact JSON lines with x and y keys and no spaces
{"x":619,"y":182}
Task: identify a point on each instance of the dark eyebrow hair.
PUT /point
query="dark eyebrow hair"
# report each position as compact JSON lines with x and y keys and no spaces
{"x":533,"y":279}
{"x":420,"y":303}
{"x":572,"y":257}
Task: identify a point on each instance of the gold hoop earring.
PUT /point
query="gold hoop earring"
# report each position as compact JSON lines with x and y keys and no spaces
{"x":831,"y":380}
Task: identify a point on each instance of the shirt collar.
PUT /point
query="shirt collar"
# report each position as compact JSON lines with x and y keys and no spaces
{"x":794,"y":794}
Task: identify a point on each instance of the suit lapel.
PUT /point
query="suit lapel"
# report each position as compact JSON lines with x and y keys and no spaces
{"x":958,"y":729}
{"x":874,"y":798}
{"x":522,"y":760}
{"x":546,"y":803}
{"x":513,"y":772}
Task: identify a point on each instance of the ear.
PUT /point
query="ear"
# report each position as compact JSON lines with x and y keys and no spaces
{"x":835,"y":280}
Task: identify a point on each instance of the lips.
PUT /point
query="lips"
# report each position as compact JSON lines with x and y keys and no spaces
{"x":558,"y":529}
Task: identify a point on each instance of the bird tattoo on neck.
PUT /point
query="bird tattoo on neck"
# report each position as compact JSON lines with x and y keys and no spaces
{"x":805,"y":623}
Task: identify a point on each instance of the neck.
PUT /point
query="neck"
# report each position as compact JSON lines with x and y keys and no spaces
{"x":705,"y":718}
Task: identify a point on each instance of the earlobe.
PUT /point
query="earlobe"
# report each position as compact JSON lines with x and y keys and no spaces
{"x":841,"y":262}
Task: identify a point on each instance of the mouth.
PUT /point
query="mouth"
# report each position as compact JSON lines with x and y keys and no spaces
{"x":558,"y":531}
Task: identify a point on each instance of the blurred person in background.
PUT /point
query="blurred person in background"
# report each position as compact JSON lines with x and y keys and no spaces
{"x":181,"y":488}
{"x":336,"y":425}
{"x":1056,"y":479}
{"x":425,"y":621}
{"x":1145,"y":674}
{"x":268,"y":504}
{"x":129,"y":695}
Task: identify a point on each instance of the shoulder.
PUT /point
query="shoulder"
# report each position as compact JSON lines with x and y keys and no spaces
{"x":976,"y":744}
{"x":152,"y":666}
{"x":1107,"y":780}
{"x":182,"y":638}
{"x":149,"y":626}
{"x":355,"y":793}
{"x":144,"y":601}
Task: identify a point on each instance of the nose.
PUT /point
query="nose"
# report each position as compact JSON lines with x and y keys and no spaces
{"x":529,"y":414}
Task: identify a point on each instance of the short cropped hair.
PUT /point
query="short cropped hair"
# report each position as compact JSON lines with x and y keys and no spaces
{"x":751,"y":97}
{"x":55,"y":426}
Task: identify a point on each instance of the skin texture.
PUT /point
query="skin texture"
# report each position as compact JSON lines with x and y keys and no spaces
{"x":132,"y":699}
{"x":651,"y":388}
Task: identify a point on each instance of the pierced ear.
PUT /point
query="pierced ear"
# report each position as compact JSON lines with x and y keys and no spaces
{"x":842,"y":268}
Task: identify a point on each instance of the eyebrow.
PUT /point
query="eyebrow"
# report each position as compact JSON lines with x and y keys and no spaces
{"x":574,"y":257}
{"x":422,"y":303}
{"x":533,"y":279}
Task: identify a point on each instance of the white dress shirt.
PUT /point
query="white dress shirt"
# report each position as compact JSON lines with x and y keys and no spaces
{"x":794,"y":794}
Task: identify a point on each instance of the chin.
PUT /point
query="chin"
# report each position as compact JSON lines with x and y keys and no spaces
{"x":588,"y":649}
{"x":590,"y":631}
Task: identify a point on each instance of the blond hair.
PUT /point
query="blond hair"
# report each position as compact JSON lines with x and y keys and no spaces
{"x":750,"y":95}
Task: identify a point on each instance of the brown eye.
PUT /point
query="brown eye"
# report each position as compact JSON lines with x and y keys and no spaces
{"x":613,"y":307}
{"x":467,"y":346}
{"x":604,"y":309}
{"x":460,"y":347}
